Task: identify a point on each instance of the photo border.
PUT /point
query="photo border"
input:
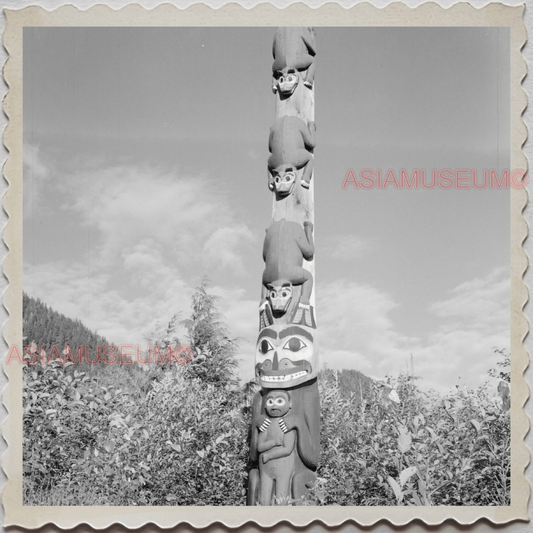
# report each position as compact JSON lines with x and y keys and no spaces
{"x":396,"y":14}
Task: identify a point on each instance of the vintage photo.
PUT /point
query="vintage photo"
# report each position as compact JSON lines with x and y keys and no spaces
{"x":269,"y":265}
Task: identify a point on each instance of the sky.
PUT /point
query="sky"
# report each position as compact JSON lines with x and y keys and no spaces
{"x":145,"y":155}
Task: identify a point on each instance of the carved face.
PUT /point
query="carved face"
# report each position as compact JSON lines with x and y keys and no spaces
{"x":284,"y":179}
{"x":277,"y":403}
{"x":286,"y":81}
{"x":285,"y":356}
{"x":280,"y":296}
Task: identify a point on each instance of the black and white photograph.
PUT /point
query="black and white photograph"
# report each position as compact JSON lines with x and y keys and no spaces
{"x":268,"y":266}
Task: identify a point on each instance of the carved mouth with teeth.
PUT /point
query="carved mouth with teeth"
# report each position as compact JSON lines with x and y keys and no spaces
{"x":288,"y":377}
{"x":293,"y":375}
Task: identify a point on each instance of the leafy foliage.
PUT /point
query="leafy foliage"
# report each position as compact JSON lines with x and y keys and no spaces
{"x":426,"y":450}
{"x":178,"y":435}
{"x":505,"y":365}
{"x":185,"y":443}
{"x":182,"y":445}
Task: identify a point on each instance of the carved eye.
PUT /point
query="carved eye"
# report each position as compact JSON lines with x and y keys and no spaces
{"x":284,"y":294}
{"x":273,"y":294}
{"x":294,"y":345}
{"x":280,"y":401}
{"x":270,"y":402}
{"x":265,"y":347}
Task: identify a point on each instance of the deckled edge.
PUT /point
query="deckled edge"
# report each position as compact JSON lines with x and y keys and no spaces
{"x":520,"y":423}
{"x":261,"y":15}
{"x":12,"y":298}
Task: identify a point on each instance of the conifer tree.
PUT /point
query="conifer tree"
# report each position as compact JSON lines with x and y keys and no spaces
{"x":214,"y":358}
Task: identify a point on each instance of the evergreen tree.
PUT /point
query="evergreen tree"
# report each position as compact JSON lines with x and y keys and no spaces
{"x":164,"y":338}
{"x":214,"y":358}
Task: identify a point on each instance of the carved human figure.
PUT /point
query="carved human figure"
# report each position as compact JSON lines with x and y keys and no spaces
{"x":276,"y":447}
{"x":294,"y":51}
{"x":291,"y":145}
{"x":304,"y":419}
{"x":285,"y":356}
{"x":286,"y":245}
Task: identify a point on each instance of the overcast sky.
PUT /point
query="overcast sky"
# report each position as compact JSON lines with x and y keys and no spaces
{"x":145,"y":156}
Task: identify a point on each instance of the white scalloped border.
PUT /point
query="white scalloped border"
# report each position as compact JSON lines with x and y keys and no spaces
{"x":260,"y":15}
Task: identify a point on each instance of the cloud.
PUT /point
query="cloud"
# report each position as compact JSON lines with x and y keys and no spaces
{"x":36,"y":172}
{"x":356,"y":331}
{"x":483,"y":303}
{"x":476,"y":320}
{"x":224,"y":245}
{"x":147,"y":269}
{"x":346,"y":247}
{"x":88,"y":296}
{"x":354,"y":320}
{"x":156,"y":232}
{"x":153,"y":234}
{"x":186,"y":220}
{"x":34,"y":163}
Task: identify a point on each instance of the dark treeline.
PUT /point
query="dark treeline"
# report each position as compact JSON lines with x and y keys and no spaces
{"x":45,"y":328}
{"x":352,"y":382}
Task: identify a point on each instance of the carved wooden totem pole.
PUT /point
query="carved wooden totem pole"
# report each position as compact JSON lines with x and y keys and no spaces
{"x":285,"y":433}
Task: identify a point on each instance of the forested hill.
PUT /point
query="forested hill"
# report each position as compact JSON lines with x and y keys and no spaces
{"x":352,"y":382}
{"x":44,"y":327}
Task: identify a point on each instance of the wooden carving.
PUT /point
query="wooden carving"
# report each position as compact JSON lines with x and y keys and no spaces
{"x":276,"y":448}
{"x":285,"y":356}
{"x":285,"y":432}
{"x":294,"y":52}
{"x":291,"y":145}
{"x":303,"y":421}
{"x":286,"y":245}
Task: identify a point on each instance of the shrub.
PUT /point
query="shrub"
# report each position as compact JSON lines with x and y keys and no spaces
{"x":64,"y":415}
{"x":185,"y":443}
{"x":176,"y":440}
{"x":427,"y":450}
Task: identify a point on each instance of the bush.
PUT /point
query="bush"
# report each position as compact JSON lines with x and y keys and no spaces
{"x":426,"y":450}
{"x":65,"y":413}
{"x":203,"y":452}
{"x":184,"y":444}
{"x":169,"y":439}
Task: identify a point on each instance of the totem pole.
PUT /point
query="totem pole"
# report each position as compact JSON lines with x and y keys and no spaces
{"x":285,"y":432}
